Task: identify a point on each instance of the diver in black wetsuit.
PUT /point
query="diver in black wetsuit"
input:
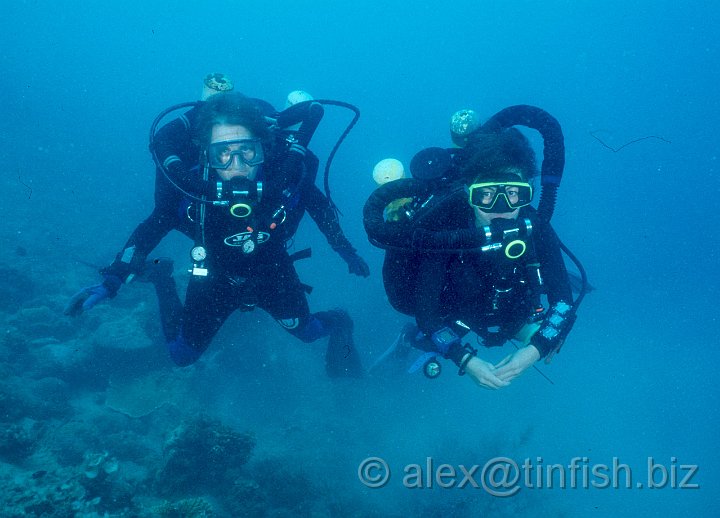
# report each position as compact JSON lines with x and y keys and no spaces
{"x":467,"y":252}
{"x":176,"y":175}
{"x":255,"y":194}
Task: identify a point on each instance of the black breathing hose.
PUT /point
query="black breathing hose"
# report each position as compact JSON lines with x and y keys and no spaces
{"x":464,"y":239}
{"x":553,"y":149}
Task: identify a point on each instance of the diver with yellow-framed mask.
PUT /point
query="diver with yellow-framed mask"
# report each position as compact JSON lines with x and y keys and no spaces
{"x":467,"y":252}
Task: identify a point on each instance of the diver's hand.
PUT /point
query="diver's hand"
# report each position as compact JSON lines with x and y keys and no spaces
{"x":88,"y":297}
{"x":483,"y":373}
{"x":516,"y":363}
{"x":85,"y":299}
{"x":356,"y":264}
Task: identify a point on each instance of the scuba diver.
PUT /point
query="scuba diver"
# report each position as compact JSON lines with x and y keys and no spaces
{"x":466,"y":251}
{"x":176,"y":153}
{"x":241,"y":208}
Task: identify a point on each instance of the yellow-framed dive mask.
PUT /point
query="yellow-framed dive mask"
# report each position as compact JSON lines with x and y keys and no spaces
{"x":499,"y":197}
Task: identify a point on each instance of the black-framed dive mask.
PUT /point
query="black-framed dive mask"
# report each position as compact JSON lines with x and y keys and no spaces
{"x":249,"y":151}
{"x":499,"y":197}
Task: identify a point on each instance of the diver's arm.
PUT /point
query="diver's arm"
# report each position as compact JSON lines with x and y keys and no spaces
{"x":131,"y":259}
{"x":552,"y":266}
{"x":430,"y":284}
{"x":560,"y":316}
{"x":318,"y":206}
{"x":325,"y":217}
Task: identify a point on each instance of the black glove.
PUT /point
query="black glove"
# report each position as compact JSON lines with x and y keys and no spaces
{"x":88,"y":297}
{"x":356,"y":264}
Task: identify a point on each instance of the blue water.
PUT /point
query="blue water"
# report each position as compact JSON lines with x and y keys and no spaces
{"x":81,"y":83}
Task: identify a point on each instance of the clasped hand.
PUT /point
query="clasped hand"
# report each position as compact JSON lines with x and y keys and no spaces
{"x":491,"y":376}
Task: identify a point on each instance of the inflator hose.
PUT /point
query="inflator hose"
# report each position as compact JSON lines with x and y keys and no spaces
{"x":345,"y":133}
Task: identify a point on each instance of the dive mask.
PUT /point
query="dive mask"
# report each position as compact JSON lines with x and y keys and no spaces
{"x":499,"y":197}
{"x":249,"y":151}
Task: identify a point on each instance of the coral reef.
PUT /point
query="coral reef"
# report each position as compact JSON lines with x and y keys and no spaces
{"x":38,"y":399}
{"x":103,"y":482}
{"x":298,"y":491}
{"x":123,"y":333}
{"x":188,"y":508}
{"x":95,"y":421}
{"x":18,"y":440}
{"x":42,"y":319}
{"x":202,"y":455}
{"x":54,"y":494}
{"x":141,"y":396}
{"x":97,"y":464}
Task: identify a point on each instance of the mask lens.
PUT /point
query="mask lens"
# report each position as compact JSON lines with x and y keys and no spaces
{"x":248,"y":151}
{"x":515,"y":194}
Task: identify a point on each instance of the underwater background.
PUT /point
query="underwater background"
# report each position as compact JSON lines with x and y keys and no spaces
{"x":96,"y":421}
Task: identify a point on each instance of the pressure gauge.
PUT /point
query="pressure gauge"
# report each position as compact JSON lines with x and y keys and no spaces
{"x":432,"y":368}
{"x":198,"y":254}
{"x":248,"y":246}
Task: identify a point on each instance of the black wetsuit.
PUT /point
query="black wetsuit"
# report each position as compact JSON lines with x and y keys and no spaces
{"x":179,"y":154}
{"x":265,"y":278}
{"x":492,"y":295}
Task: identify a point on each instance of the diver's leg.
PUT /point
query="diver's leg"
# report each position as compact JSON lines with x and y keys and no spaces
{"x":171,"y":308}
{"x":159,"y":273}
{"x":208,"y":303}
{"x":286,"y":302}
{"x":341,"y":358}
